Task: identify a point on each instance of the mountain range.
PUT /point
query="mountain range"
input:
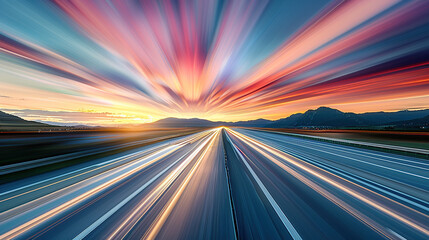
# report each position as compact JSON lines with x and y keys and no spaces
{"x":322,"y":117}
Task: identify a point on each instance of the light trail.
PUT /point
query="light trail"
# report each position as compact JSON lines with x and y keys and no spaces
{"x":286,"y":222}
{"x":156,"y":226}
{"x":327,"y":177}
{"x":419,"y":202}
{"x":44,"y":217}
{"x":225,"y":183}
{"x":67,"y":205}
{"x":126,"y":200}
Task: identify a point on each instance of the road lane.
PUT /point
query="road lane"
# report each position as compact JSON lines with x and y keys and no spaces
{"x":225,"y":184}
{"x":26,"y":216}
{"x":200,"y":208}
{"x":286,"y":222}
{"x":386,"y":216}
{"x":412,"y":186}
{"x":19,"y":192}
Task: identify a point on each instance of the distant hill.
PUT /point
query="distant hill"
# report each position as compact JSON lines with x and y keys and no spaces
{"x":183,"y":122}
{"x":251,"y":123}
{"x":329,"y":117}
{"x":381,"y":118}
{"x":419,"y":122}
{"x":197,"y":122}
{"x":325,"y":116}
{"x":322,"y":116}
{"x":283,"y":122}
{"x":9,"y":120}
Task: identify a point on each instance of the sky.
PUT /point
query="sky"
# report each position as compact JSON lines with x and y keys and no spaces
{"x":116,"y":62}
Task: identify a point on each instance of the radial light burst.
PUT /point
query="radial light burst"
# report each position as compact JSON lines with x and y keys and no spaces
{"x":120,"y":61}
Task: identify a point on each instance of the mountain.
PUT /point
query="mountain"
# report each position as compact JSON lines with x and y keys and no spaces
{"x":251,"y":123}
{"x":183,"y":122}
{"x":419,"y":122}
{"x":324,"y":116}
{"x":286,"y":122}
{"x":321,"y":117}
{"x":381,"y":118}
{"x":291,"y":120}
{"x":329,"y":117}
{"x":197,"y":122}
{"x":9,"y":120}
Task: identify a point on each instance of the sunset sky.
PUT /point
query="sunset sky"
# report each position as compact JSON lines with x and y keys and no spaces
{"x":112,"y":62}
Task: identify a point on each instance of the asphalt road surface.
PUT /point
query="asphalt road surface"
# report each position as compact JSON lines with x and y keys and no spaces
{"x":225,"y":184}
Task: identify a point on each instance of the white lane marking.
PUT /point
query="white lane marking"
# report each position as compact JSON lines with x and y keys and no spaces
{"x":396,"y":234}
{"x":371,"y":183}
{"x":292,"y":231}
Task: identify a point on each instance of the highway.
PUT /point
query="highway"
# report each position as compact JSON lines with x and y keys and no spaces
{"x":225,"y":183}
